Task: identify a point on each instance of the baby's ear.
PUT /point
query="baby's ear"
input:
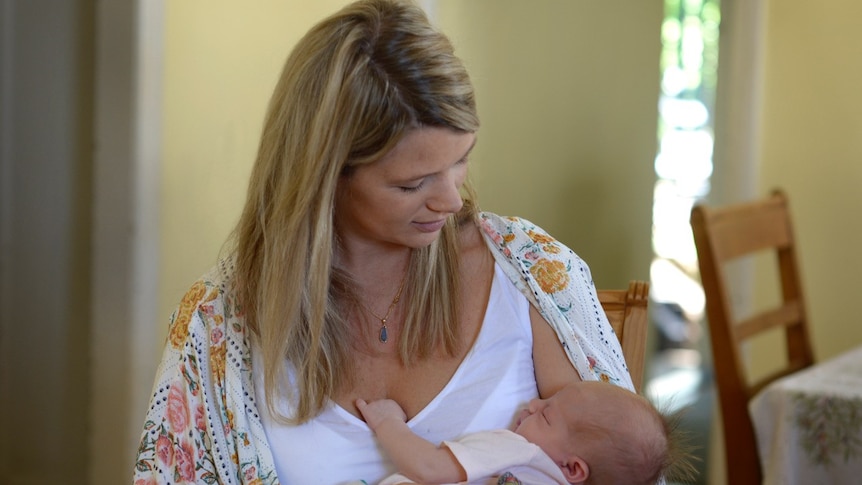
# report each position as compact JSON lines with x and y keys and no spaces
{"x":575,"y":470}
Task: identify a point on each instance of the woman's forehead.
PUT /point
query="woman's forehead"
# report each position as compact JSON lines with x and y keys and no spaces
{"x":429,"y":145}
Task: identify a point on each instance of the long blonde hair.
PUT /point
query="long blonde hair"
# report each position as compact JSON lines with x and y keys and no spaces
{"x":353,"y":86}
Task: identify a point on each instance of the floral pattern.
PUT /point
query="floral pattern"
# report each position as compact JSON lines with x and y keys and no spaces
{"x":508,"y":479}
{"x":551,"y":276}
{"x":829,"y":427}
{"x":203,"y":424}
{"x":183,"y":315}
{"x":560,"y":284}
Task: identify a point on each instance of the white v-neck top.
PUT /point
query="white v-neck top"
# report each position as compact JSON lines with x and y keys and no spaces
{"x":494,"y":380}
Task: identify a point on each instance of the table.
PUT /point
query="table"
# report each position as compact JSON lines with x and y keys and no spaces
{"x":809,"y":424}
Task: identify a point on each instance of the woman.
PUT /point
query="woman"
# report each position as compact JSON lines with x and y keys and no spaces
{"x":363,"y":269}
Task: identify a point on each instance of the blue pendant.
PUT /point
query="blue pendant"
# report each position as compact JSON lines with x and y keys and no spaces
{"x":383,"y":335}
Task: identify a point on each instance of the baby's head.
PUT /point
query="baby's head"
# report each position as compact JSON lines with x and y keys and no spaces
{"x":598,"y":433}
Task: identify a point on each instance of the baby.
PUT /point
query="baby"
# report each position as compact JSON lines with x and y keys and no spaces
{"x":589,"y":432}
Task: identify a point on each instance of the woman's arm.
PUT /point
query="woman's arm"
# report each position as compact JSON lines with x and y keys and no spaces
{"x":552,"y":366}
{"x":560,"y":284}
{"x":415,"y":457}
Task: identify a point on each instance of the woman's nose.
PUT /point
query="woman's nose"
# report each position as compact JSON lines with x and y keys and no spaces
{"x":447,"y":197}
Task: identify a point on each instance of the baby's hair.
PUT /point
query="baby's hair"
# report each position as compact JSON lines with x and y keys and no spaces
{"x":678,"y":464}
{"x":636,"y":442}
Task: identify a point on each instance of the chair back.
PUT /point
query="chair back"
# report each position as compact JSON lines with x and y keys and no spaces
{"x":627,"y":313}
{"x":722,"y":235}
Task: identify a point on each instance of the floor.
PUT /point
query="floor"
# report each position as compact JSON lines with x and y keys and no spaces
{"x":679,"y":378}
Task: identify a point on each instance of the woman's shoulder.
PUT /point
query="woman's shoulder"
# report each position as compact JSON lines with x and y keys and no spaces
{"x":216,"y":282}
{"x":209,"y":304}
{"x":492,"y":223}
{"x":511,"y":234}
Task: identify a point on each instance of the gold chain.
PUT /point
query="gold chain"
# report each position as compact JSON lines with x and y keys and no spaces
{"x":384,"y":335}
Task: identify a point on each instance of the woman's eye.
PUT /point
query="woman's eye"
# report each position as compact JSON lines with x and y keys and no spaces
{"x":413,"y":188}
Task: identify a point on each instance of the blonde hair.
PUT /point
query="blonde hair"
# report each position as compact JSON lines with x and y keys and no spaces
{"x":351,"y":89}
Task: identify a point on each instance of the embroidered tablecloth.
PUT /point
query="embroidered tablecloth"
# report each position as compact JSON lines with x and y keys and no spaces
{"x":809,"y":424}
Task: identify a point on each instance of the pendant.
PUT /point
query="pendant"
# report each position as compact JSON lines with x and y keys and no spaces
{"x":383,"y":335}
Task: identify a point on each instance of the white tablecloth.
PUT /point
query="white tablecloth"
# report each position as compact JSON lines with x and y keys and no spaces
{"x":809,"y":424}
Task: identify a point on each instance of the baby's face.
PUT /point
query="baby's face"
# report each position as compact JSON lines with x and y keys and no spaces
{"x":545,"y":422}
{"x":550,"y":423}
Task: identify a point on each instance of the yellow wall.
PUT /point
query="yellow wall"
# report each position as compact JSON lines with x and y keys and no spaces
{"x":812,"y":147}
{"x":567,"y":93}
{"x":222,"y":60}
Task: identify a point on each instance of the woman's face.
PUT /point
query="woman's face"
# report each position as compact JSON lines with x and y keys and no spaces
{"x":404,"y":198}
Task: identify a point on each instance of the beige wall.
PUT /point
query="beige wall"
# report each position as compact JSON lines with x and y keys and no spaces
{"x":812,"y":147}
{"x":568,"y":93}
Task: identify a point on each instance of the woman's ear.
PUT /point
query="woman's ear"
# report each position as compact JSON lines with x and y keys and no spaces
{"x":575,"y":470}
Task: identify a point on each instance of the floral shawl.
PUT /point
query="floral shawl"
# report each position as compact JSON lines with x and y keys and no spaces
{"x":203,"y":424}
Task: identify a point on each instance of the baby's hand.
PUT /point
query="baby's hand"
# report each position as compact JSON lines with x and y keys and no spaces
{"x":377,"y":412}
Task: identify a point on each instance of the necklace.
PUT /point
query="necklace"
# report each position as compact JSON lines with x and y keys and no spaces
{"x":384,"y":335}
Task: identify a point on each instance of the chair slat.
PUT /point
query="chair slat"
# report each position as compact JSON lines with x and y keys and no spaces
{"x":627,"y":313}
{"x":749,"y":228}
{"x":785,"y":315}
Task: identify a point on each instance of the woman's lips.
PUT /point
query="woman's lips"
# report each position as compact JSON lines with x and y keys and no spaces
{"x":433,"y":226}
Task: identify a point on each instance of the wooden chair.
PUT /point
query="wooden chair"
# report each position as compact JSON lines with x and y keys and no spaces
{"x":722,"y":235}
{"x":627,"y":313}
